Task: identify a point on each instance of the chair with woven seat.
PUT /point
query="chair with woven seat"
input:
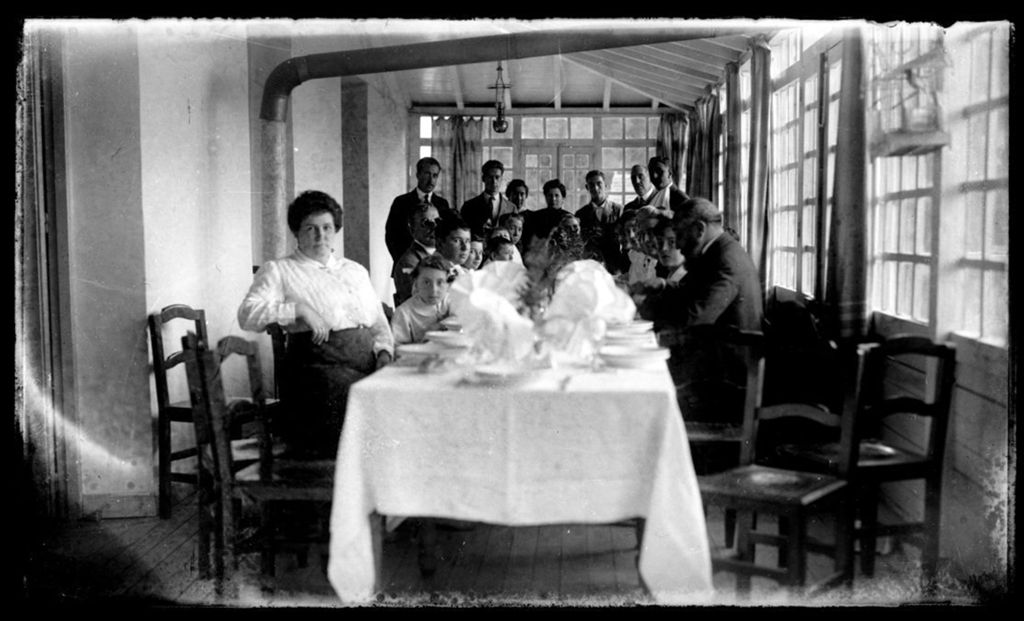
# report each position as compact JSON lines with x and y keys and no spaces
{"x":169,"y":412}
{"x":268,"y":483}
{"x":879,"y":401}
{"x":793,"y":496}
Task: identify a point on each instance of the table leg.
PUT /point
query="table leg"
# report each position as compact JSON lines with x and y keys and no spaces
{"x":376,"y":531}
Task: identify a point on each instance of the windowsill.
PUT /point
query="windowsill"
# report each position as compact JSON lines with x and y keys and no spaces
{"x":886,"y":325}
{"x":979,"y":352}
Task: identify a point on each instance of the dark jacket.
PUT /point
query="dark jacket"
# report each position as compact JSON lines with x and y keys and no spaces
{"x":478,"y":212}
{"x":397,"y":236}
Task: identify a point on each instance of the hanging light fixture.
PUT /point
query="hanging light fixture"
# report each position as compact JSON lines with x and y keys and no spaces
{"x":500,"y":124}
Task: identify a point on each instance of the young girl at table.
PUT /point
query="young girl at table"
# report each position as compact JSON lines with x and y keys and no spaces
{"x":499,"y":248}
{"x":428,"y":305}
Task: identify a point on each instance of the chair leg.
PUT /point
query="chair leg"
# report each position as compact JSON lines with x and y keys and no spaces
{"x":868,"y":535}
{"x":641,"y":523}
{"x":844,"y":539}
{"x":163,"y":432}
{"x":730,"y":527}
{"x":745,"y":549}
{"x":206,"y":526}
{"x":932,"y":519}
{"x":268,"y":551}
{"x":796,"y":561}
{"x":783,"y":559}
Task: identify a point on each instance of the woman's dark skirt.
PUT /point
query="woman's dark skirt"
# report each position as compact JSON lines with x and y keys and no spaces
{"x":318,"y":378}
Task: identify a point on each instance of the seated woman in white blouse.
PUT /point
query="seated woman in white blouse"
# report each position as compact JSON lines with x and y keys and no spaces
{"x":338,"y":330}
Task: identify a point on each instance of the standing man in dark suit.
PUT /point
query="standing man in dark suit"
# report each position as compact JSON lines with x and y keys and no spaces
{"x":641,"y":185}
{"x":667,"y":198}
{"x":481,"y":212}
{"x":397,"y":235}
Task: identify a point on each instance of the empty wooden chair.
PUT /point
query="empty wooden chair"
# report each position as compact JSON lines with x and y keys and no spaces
{"x":266,"y":484}
{"x":882,"y":398}
{"x":169,"y":413}
{"x":792,"y":496}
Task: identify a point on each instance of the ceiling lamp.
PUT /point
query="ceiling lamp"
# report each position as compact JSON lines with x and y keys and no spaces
{"x":499,"y":124}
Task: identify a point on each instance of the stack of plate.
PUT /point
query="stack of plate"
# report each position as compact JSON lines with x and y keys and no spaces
{"x":637,"y":333}
{"x":452,"y":324}
{"x":500,"y":374}
{"x":415,"y":353}
{"x":446,"y":338}
{"x":634,"y":356}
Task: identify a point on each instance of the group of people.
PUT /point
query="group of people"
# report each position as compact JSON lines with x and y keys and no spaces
{"x":671,"y":252}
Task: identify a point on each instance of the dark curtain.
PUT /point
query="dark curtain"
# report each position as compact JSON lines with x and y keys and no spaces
{"x":846,"y":272}
{"x":702,"y":165}
{"x":759,"y":168}
{"x":456,"y":143}
{"x":672,"y":144}
{"x":733,"y":148}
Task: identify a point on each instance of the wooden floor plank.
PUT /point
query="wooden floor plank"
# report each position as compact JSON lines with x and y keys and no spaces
{"x":601,"y":560}
{"x":519,"y":573}
{"x":490,"y":575}
{"x":574,"y":569}
{"x":547,"y":562}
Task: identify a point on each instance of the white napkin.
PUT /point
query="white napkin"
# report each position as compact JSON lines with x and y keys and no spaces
{"x":485,"y":302}
{"x":586,"y":299}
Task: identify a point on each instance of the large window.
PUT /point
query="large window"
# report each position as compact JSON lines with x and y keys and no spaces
{"x":540,"y":148}
{"x":805,"y":94}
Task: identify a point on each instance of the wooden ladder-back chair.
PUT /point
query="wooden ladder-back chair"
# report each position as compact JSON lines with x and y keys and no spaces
{"x":272,"y":480}
{"x":879,"y":400}
{"x":792,"y":496}
{"x":168,"y":412}
{"x":721,"y":440}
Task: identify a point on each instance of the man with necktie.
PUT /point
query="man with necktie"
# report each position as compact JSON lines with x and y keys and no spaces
{"x":397,"y":235}
{"x":481,"y":212}
{"x":641,"y":185}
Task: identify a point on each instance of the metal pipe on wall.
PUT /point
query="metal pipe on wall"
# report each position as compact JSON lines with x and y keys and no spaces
{"x":294,"y":71}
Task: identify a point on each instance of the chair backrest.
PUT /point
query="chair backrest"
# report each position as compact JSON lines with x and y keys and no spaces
{"x":876,"y":399}
{"x":723,"y":348}
{"x":163,"y":362}
{"x":213,"y":414}
{"x":279,"y":341}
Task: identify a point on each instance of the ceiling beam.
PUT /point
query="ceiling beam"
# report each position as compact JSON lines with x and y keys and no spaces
{"x":703,"y":48}
{"x":557,"y":67}
{"x":607,"y":94}
{"x":646,"y":93}
{"x":531,"y":111}
{"x":457,"y":87}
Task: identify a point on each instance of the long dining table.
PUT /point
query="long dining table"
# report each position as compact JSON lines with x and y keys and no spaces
{"x":554,"y":446}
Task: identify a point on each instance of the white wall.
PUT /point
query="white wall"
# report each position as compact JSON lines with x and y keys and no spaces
{"x":193,"y":94}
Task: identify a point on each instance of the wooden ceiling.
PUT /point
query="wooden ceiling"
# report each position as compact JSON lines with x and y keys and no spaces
{"x":671,"y":74}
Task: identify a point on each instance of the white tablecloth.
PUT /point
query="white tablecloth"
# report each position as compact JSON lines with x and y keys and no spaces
{"x":598,"y":448}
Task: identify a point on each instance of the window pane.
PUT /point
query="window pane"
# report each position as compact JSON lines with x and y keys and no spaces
{"x":980,"y":54}
{"x":582,"y":127}
{"x":891,"y":229}
{"x":972,"y":300}
{"x":424,"y":151}
{"x":611,"y":157}
{"x":923,"y":241}
{"x":889,"y":286}
{"x":583,"y":160}
{"x":485,"y":153}
{"x":616,"y":181}
{"x":426,"y":127}
{"x":835,"y":74}
{"x":922,"y":288}
{"x":611,"y":128}
{"x":996,"y":304}
{"x":546,"y":160}
{"x":908,"y":208}
{"x":652,"y":125}
{"x":533,"y":127}
{"x":531,"y":160}
{"x":905,"y":293}
{"x":997,"y":225}
{"x":977,"y":130}
{"x":636,"y":128}
{"x":807,"y":226}
{"x":567,"y":161}
{"x":909,"y":173}
{"x":973,"y":223}
{"x":999,"y":131}
{"x":635,"y":155}
{"x":1000,"y":64}
{"x":557,"y":128}
{"x":924,"y":171}
{"x":503,"y":155}
{"x":807,"y":286}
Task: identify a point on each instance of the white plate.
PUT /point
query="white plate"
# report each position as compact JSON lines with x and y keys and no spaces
{"x":643,"y":339}
{"x":452,"y":324}
{"x":638,"y":326}
{"x":448,"y":339}
{"x":499,"y":374}
{"x":633,"y":357}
